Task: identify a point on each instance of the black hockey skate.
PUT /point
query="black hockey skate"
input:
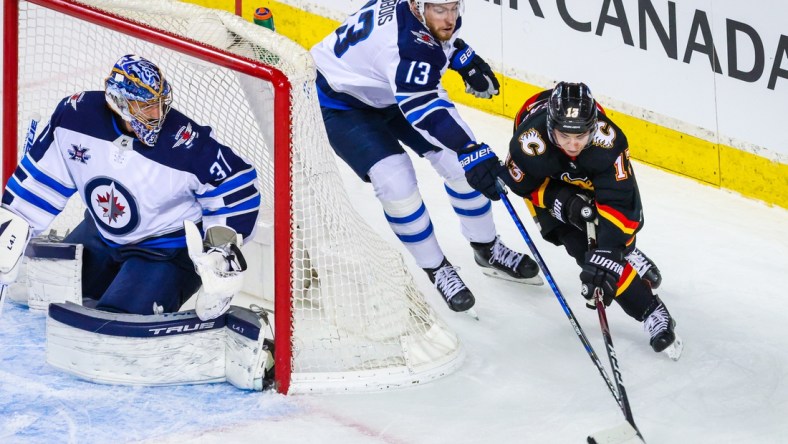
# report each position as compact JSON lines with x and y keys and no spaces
{"x":501,"y":262}
{"x":645,"y":267}
{"x":451,"y":287}
{"x":660,"y":325}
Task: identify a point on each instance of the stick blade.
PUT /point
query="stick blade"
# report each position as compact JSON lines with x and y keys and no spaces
{"x":620,"y":434}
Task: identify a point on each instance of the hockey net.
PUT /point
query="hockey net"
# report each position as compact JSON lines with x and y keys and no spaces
{"x":347,"y":314}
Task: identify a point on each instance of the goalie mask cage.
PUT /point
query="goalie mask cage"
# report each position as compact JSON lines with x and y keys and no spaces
{"x":347,"y":314}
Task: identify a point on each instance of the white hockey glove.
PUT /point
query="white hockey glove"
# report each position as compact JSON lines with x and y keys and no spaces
{"x":220,"y":264}
{"x":14,"y":235}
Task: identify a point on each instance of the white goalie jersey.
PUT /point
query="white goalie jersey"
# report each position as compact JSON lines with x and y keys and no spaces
{"x":134,"y":193}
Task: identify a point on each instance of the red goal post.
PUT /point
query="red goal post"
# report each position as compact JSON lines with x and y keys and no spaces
{"x":347,"y":314}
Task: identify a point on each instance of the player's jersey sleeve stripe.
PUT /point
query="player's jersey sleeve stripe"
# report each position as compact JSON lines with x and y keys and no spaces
{"x":41,"y":177}
{"x":419,"y":113}
{"x":409,"y":102}
{"x":537,"y":196}
{"x":231,"y":185}
{"x":245,"y":206}
{"x":626,"y":279}
{"x":15,"y":187}
{"x":616,"y":218}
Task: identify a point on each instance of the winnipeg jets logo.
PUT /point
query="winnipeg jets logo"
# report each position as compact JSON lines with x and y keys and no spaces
{"x":112,"y":205}
{"x":425,"y":38}
{"x":74,"y":99}
{"x":185,"y":136}
{"x":79,"y":154}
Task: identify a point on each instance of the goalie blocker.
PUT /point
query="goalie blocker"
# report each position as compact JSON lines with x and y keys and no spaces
{"x":165,"y":349}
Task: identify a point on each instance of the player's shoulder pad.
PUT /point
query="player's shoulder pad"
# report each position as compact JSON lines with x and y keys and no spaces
{"x":608,"y":144}
{"x":82,"y":102}
{"x":608,"y":136}
{"x":530,"y":145}
{"x":182,"y":133}
{"x":415,"y":42}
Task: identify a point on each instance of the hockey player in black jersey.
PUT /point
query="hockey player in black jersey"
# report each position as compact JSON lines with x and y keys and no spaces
{"x":571,"y":164}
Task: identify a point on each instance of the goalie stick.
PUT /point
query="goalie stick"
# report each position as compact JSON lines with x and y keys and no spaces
{"x":31,"y":135}
{"x":624,"y":431}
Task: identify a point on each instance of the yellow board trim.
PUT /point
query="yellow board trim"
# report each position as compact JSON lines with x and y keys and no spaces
{"x":714,"y":164}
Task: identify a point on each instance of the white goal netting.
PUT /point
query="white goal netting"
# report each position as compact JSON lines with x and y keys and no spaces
{"x":358,"y":320}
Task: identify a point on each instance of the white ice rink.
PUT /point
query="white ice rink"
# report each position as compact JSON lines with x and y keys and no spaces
{"x":526,"y":377}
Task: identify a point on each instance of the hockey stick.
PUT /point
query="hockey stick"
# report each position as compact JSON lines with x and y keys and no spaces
{"x":31,"y":135}
{"x":549,"y":277}
{"x":620,"y":432}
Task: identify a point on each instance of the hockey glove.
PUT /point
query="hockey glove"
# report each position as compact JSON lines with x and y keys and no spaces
{"x":481,"y":167}
{"x":479,"y":78}
{"x":220,"y":264}
{"x":573,"y":208}
{"x":601,"y":271}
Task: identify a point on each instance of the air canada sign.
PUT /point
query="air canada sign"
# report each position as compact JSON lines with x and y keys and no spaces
{"x":747,"y":55}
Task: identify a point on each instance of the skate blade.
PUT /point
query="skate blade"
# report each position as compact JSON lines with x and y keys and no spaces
{"x":472,"y":313}
{"x":675,"y":349}
{"x":536,"y":280}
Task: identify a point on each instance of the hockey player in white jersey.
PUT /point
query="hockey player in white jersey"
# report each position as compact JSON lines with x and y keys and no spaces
{"x":143,"y":170}
{"x":379,"y":85}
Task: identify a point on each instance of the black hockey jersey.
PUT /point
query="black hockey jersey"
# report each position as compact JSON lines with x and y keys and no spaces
{"x":539,"y":169}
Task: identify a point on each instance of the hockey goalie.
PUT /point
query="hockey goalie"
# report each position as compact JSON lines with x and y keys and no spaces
{"x":167,"y":209}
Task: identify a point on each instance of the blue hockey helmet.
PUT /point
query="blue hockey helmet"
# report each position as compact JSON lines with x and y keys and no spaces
{"x":138,"y":92}
{"x":571,"y":109}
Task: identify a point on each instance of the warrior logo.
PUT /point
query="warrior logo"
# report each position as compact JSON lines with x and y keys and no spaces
{"x":74,"y":99}
{"x":113,"y":207}
{"x":424,"y":37}
{"x":185,"y":136}
{"x":79,"y":154}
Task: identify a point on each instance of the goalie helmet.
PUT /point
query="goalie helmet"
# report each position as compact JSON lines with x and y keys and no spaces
{"x":421,"y":4}
{"x":138,"y":92}
{"x":572,"y":110}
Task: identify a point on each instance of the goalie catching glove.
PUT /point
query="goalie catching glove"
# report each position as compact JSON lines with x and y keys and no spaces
{"x":220,"y":264}
{"x":479,"y":78}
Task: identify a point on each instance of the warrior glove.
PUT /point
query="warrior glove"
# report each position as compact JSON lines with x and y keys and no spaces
{"x":601,"y":272}
{"x":479,"y":78}
{"x":219,"y":262}
{"x":481,"y":167}
{"x":573,"y":208}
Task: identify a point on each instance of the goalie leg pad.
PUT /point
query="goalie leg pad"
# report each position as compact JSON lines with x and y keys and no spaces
{"x":115,"y":348}
{"x":53,"y":273}
{"x":249,"y":356}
